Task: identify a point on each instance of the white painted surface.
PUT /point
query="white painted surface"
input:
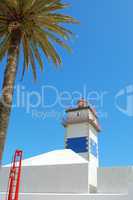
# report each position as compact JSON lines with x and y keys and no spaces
{"x":58,"y":157}
{"x":70,"y":197}
{"x":80,"y":127}
{"x":94,"y":136}
{"x":77,"y":130}
{"x":114,"y":180}
{"x":92,"y":178}
{"x":130,"y":190}
{"x":64,"y":175}
{"x":111,"y":181}
{"x":93,"y":161}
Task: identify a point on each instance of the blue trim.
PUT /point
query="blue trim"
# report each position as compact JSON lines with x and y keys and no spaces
{"x":79,"y":145}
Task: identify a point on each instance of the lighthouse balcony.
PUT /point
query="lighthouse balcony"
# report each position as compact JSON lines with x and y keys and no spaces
{"x":72,"y":120}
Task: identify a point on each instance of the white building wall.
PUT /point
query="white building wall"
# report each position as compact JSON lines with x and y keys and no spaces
{"x":77,"y":130}
{"x":114,"y":180}
{"x":66,"y":178}
{"x":85,"y":129}
{"x":92,"y":178}
{"x":113,"y":184}
{"x":130,"y":190}
{"x":94,"y":135}
{"x":93,"y":161}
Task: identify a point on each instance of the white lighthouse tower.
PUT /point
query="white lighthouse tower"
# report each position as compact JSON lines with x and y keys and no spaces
{"x":81,"y":136}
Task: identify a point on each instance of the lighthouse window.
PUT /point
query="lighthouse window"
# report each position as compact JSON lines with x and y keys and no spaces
{"x":93,"y":147}
{"x":78,"y":114}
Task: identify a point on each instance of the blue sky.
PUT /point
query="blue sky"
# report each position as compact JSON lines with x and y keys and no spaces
{"x":100,"y":66}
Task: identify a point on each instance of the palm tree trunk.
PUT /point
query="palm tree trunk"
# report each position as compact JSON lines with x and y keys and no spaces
{"x":8,"y":90}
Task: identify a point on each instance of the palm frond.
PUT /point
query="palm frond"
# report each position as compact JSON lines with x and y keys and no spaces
{"x":36,"y":53}
{"x":60,"y":18}
{"x":26,"y":49}
{"x":49,"y":49}
{"x":63,"y":32}
{"x":26,"y":5}
{"x":4,"y":7}
{"x":58,"y":41}
{"x":4,"y":45}
{"x":11,"y":4}
{"x":42,"y":6}
{"x":18,"y":56}
{"x":40,"y":26}
{"x":32,"y":61}
{"x":54,"y":7}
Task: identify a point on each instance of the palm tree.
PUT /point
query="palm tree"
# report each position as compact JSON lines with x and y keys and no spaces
{"x":31,"y":27}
